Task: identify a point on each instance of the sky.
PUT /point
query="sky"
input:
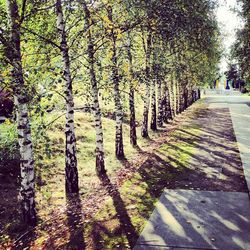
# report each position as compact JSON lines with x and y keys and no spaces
{"x":229,"y":21}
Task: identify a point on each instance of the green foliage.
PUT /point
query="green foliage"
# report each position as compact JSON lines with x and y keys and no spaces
{"x":9,"y":151}
{"x":241,"y":49}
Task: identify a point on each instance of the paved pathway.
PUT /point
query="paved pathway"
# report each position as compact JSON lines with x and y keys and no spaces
{"x":188,"y":219}
{"x":240,"y":114}
{"x":191,"y":219}
{"x":239,"y":107}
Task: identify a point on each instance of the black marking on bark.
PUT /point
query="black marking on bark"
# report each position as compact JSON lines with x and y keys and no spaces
{"x":21,"y":127}
{"x":27,"y":142}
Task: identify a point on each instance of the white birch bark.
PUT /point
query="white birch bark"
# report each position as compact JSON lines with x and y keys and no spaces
{"x":159,"y":98}
{"x":27,"y":190}
{"x":133,"y":137}
{"x":119,"y":150}
{"x":153,"y":124}
{"x":144,"y":131}
{"x":71,"y":177}
{"x":100,"y":164}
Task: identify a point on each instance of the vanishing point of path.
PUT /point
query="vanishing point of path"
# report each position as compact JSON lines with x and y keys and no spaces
{"x":209,"y":208}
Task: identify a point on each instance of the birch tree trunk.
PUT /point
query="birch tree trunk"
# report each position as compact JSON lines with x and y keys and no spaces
{"x":27,"y":190}
{"x":163,"y":102}
{"x":144,"y":131}
{"x":71,"y":177}
{"x":167,"y":114}
{"x":159,"y":98}
{"x":182,"y":84}
{"x":153,"y":124}
{"x":185,"y":98}
{"x":172,"y":96}
{"x":178,"y":90}
{"x":100,"y":164}
{"x":177,"y":94}
{"x":189,"y":88}
{"x":119,"y":151}
{"x":168,"y":103}
{"x":198,"y":94}
{"x":133,"y":137}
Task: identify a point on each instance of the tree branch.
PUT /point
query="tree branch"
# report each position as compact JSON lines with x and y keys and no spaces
{"x":43,"y":38}
{"x":23,"y":10}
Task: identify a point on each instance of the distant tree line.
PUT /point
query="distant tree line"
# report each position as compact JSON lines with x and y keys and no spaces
{"x":241,"y":48}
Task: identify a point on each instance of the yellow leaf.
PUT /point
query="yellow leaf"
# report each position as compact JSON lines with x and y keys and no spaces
{"x":110,"y":54}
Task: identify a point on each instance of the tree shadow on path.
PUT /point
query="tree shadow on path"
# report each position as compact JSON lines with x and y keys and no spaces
{"x":75,"y":222}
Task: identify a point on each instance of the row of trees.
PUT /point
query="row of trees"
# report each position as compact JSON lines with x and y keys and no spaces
{"x":160,"y":50}
{"x":241,"y":48}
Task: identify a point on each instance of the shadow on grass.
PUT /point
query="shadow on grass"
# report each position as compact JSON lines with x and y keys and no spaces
{"x":25,"y":241}
{"x":11,"y":225}
{"x":126,"y":225}
{"x":161,"y":170}
{"x":64,"y":230}
{"x":75,"y":222}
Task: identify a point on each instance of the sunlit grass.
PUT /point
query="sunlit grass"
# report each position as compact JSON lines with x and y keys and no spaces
{"x":138,"y":194}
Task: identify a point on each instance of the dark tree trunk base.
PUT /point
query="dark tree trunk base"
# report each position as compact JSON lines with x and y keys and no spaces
{"x":120,"y":155}
{"x":133,"y":140}
{"x":133,"y":137}
{"x":144,"y":134}
{"x":119,"y":151}
{"x":71,"y":180}
{"x":29,"y":217}
{"x":153,"y":127}
{"x":100,"y":165}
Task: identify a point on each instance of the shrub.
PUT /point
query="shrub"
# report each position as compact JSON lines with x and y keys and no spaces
{"x":9,"y":151}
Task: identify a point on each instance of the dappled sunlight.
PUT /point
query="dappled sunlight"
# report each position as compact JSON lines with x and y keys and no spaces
{"x":243,"y":218}
{"x":168,"y":219}
{"x":193,"y":156}
{"x":198,"y":221}
{"x":241,"y":118}
{"x":226,"y":222}
{"x":178,"y":201}
{"x":238,"y":242}
{"x":157,"y":238}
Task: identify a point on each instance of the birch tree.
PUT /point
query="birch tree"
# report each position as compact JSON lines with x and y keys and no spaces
{"x":241,"y":48}
{"x":13,"y":54}
{"x":133,"y":137}
{"x":147,"y":49}
{"x":159,"y":100}
{"x":119,"y":150}
{"x":153,"y":123}
{"x":100,"y":165}
{"x":71,"y":172}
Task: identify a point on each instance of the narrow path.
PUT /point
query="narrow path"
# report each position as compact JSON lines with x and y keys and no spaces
{"x":201,"y":215}
{"x":240,"y":114}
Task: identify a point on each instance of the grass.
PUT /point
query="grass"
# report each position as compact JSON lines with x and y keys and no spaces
{"x":50,"y":191}
{"x":54,"y":174}
{"x":132,"y":202}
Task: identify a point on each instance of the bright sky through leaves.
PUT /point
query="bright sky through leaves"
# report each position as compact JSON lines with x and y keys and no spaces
{"x":229,"y":21}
